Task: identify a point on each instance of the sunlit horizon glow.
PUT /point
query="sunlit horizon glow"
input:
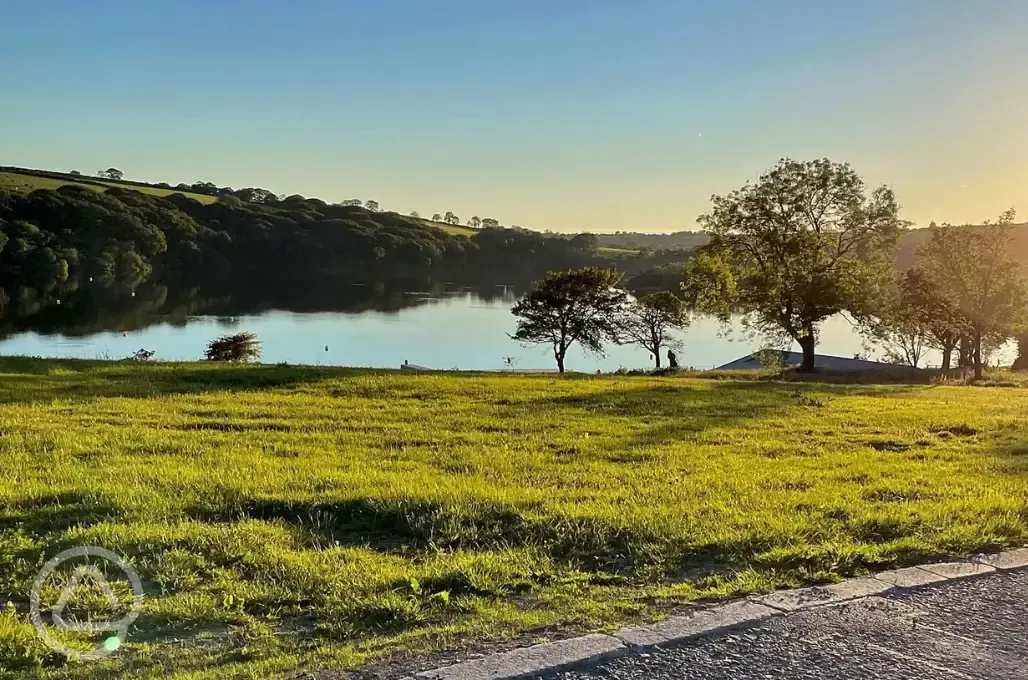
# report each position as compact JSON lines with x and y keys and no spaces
{"x":596,"y":115}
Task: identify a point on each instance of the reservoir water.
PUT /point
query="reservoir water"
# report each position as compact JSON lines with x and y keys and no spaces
{"x":443,"y":328}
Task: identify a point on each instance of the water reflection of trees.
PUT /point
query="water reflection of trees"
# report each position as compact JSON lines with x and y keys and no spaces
{"x":78,"y":309}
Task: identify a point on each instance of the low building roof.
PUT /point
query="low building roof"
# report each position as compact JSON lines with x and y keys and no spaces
{"x":752,"y":361}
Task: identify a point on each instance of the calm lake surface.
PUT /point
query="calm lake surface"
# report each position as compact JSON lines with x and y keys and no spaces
{"x":442,"y":329}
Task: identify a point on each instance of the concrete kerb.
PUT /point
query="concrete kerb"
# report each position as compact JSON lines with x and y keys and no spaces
{"x":701,"y":622}
{"x":549,"y":657}
{"x":1006,"y":561}
{"x":529,"y":661}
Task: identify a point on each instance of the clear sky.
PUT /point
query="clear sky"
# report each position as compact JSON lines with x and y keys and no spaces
{"x":552,"y":114}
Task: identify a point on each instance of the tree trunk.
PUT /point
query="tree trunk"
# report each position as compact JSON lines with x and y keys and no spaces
{"x":560,"y":361}
{"x":947,"y":352}
{"x":964,"y":359}
{"x":1021,"y":362}
{"x":977,"y":355}
{"x":657,"y":356}
{"x":807,"y":345}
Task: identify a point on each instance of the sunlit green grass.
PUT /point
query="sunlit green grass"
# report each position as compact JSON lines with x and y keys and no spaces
{"x":609,"y":251}
{"x":451,"y":229}
{"x":288,"y":518}
{"x":28,"y":183}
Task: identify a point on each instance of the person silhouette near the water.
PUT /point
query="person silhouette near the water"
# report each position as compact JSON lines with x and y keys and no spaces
{"x":672,"y":359}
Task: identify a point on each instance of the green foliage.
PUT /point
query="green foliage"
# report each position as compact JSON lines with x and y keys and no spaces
{"x":124,"y":233}
{"x":587,"y":242}
{"x":912,"y":317}
{"x":291,"y":519}
{"x":803,"y":243}
{"x":239,"y":347}
{"x":710,"y":285}
{"x":681,"y":240}
{"x":581,"y":305}
{"x":771,"y":360}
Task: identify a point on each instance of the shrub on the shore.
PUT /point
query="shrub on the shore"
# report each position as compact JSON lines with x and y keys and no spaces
{"x":241,"y":347}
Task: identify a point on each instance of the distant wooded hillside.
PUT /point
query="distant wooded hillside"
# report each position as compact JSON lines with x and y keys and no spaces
{"x":57,"y":229}
{"x":909,"y":242}
{"x":915,"y":238}
{"x":636,"y":240}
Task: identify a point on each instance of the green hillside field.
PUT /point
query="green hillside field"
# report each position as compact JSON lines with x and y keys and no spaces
{"x":452,"y":229}
{"x":298,"y":518}
{"x":25,"y":183}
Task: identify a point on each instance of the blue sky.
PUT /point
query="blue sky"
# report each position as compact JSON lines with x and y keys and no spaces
{"x":565,"y":115}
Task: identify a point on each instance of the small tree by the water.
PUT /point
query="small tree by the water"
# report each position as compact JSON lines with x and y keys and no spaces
{"x":579,"y":305}
{"x":649,"y":320}
{"x":241,"y":348}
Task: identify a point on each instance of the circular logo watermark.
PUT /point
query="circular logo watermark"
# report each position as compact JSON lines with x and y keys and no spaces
{"x":80,"y":575}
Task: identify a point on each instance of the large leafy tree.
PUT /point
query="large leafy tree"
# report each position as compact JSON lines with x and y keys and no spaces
{"x":973,"y":271}
{"x":805,"y":242}
{"x":649,"y":320}
{"x":578,"y":305}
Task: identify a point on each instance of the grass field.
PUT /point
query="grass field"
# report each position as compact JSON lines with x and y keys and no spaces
{"x":288,"y":518}
{"x":26,"y":183}
{"x":452,"y":229}
{"x":616,"y":252}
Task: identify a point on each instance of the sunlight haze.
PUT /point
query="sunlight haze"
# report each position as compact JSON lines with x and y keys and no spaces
{"x":596,"y":115}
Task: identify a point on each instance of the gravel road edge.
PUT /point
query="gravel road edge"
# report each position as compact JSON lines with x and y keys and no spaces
{"x":549,"y":657}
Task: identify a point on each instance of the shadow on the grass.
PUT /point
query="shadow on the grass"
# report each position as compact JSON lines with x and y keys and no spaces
{"x":53,"y":513}
{"x":403,"y":525}
{"x":672,"y":410}
{"x":24,"y":380}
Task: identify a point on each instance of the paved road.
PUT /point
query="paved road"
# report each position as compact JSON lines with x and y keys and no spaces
{"x":970,"y":629}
